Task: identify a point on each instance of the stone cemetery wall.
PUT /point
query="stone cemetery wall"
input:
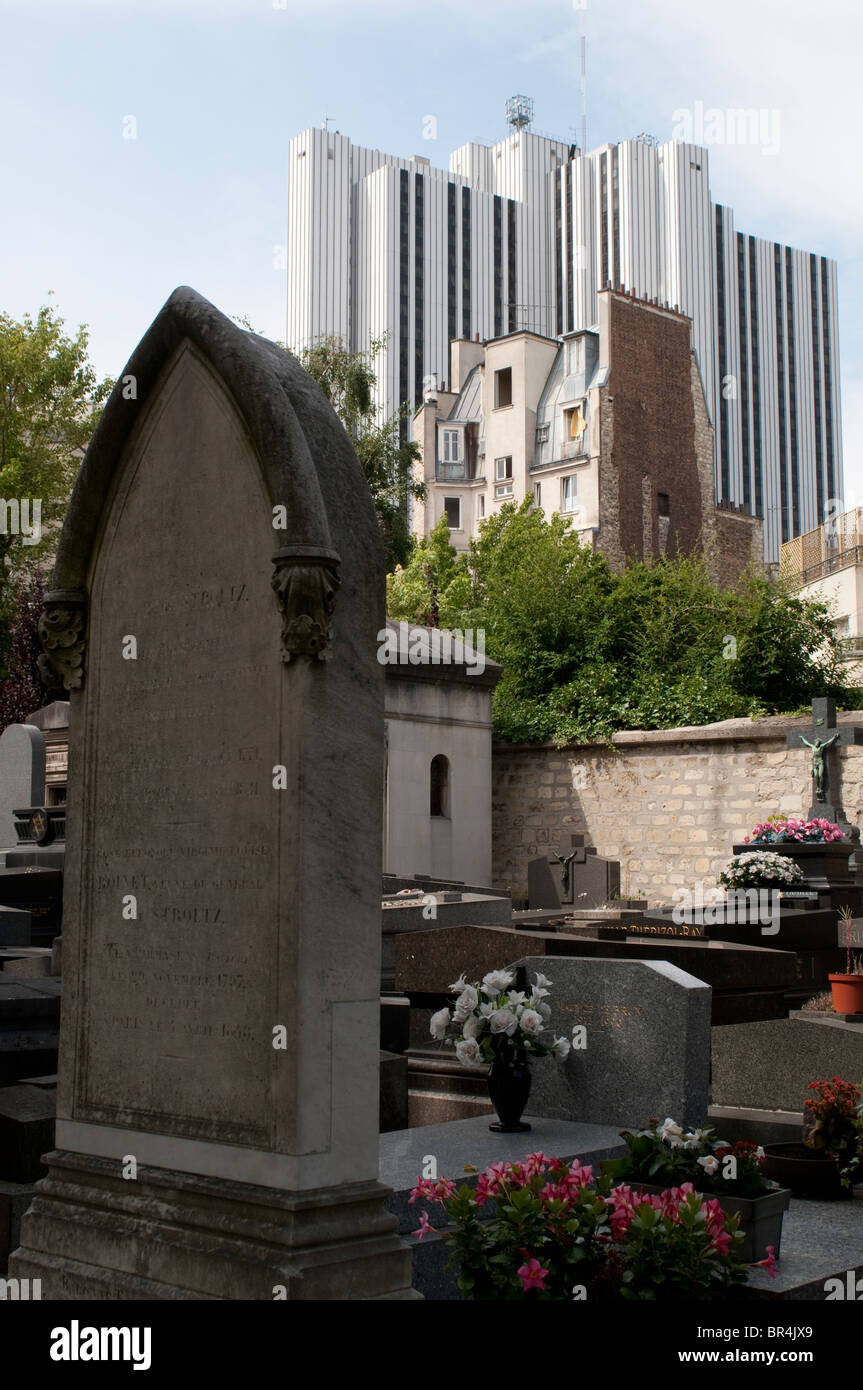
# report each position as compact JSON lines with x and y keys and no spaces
{"x":667,"y":803}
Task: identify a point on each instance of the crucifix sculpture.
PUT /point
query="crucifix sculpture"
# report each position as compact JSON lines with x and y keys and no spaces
{"x":824,"y":734}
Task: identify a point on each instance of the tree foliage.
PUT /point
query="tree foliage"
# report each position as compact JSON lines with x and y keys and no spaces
{"x":586,"y":651}
{"x":348,"y":381}
{"x":23,"y":690}
{"x":50,"y":401}
{"x":49,"y":406}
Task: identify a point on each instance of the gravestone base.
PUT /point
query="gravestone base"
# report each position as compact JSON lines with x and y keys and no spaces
{"x":168,"y":1235}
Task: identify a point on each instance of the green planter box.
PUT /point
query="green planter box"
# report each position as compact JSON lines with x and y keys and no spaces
{"x":760,"y":1217}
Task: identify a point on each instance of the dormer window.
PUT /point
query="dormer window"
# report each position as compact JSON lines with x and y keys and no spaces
{"x":574,"y":423}
{"x":450,"y":446}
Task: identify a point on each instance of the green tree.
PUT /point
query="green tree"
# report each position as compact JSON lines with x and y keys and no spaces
{"x":586,"y":651}
{"x":434,"y":586}
{"x":50,"y":401}
{"x":348,"y":381}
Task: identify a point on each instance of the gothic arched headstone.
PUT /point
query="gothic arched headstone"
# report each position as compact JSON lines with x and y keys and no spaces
{"x":216,"y":600}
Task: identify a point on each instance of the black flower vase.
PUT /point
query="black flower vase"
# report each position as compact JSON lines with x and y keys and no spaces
{"x":509,"y":1088}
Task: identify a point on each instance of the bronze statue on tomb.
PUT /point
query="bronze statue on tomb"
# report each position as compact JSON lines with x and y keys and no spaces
{"x":819,"y":765}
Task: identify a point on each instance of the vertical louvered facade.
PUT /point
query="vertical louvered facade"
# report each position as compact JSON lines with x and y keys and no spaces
{"x":524,"y":234}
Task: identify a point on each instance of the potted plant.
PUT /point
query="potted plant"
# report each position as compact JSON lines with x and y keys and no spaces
{"x":760,"y":869}
{"x":830,"y":1160}
{"x":666,"y":1155}
{"x":540,"y":1230}
{"x":496,"y":1026}
{"x":847,"y":989}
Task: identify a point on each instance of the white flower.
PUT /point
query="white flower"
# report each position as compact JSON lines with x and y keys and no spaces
{"x":516,"y":996}
{"x":539,"y":994}
{"x":495,"y":982}
{"x":544,"y":1010}
{"x":459,"y":985}
{"x":759,"y":1152}
{"x":542,"y":979}
{"x":709,"y":1163}
{"x":439,"y":1022}
{"x":472,"y":1026}
{"x":561,"y":1048}
{"x":671,"y":1133}
{"x":465,"y":1004}
{"x":504,"y":1021}
{"x":486,"y":1010}
{"x":531,"y":1021}
{"x":469,"y":1053}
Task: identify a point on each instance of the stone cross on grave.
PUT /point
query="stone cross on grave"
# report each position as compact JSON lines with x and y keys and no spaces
{"x":825,"y":736}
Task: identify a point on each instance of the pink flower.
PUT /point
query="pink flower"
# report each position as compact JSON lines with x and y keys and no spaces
{"x":433,"y":1190}
{"x":425,"y":1225}
{"x":532,"y":1275}
{"x":770,"y":1263}
{"x":579,"y":1177}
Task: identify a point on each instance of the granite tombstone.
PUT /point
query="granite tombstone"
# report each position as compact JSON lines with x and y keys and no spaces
{"x":22,"y":776}
{"x":641,"y":1042}
{"x":220,"y":571}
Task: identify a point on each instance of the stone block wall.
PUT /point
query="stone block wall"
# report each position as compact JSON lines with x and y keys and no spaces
{"x":668,"y":803}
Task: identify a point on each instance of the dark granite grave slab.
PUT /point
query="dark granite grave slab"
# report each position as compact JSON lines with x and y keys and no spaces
{"x":15,"y":1198}
{"x":26,"y":1131}
{"x":29,"y":1027}
{"x":393,"y":1092}
{"x":769,"y":1064}
{"x":748,"y":982}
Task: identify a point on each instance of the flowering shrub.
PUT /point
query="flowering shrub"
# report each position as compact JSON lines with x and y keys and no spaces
{"x":554,"y":1236}
{"x":668,"y":1154}
{"x":491,"y":1016}
{"x":782,"y":830}
{"x":833,"y":1124}
{"x":759,"y":868}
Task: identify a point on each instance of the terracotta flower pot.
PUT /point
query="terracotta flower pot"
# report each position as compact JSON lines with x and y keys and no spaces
{"x":847,"y":991}
{"x":805,"y":1171}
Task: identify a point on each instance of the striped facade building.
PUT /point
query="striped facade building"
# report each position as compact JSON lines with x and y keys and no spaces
{"x":523,"y":234}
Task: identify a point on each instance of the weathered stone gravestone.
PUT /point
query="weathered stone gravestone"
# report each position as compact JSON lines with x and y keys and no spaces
{"x":642,"y":1045}
{"x":575,"y":878}
{"x":22,"y":776}
{"x":217,"y":1130}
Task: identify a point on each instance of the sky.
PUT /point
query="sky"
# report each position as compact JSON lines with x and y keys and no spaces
{"x":144,"y":142}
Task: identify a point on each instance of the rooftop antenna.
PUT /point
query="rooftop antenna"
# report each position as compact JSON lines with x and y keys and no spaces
{"x":325,"y":124}
{"x":519,"y":112}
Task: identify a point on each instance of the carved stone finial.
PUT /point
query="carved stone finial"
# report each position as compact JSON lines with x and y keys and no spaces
{"x":305,"y":582}
{"x":62,"y":633}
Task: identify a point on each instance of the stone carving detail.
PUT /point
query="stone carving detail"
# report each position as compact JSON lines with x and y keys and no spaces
{"x":305,"y":582}
{"x":62,"y":635}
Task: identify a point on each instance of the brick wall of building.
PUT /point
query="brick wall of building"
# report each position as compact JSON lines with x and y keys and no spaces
{"x":668,"y":804}
{"x":656,"y":437}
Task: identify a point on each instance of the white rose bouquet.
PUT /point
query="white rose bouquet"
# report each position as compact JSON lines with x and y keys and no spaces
{"x":491,"y":1017}
{"x":760,"y":868}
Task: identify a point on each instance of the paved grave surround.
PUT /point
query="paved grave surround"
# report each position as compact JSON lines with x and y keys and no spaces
{"x":256,"y":907}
